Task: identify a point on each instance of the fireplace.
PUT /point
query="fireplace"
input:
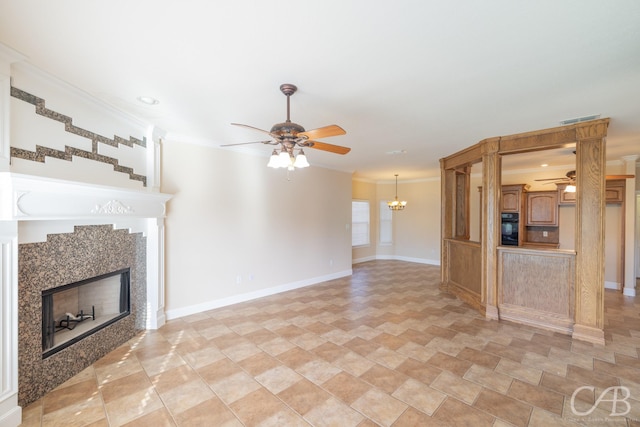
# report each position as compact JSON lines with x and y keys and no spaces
{"x":85,"y":204}
{"x":96,"y":270}
{"x":76,"y":310}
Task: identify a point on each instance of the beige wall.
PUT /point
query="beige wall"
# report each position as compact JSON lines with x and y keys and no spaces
{"x":236,"y":228}
{"x":416,"y":229}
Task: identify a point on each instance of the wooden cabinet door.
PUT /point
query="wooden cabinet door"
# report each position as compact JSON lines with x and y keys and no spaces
{"x":614,"y":192}
{"x":513,"y":197}
{"x":542,"y":208}
{"x":510,"y":200}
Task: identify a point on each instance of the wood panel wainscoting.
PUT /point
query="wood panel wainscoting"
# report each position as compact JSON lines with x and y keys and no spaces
{"x":464,"y":271}
{"x":537,"y":287}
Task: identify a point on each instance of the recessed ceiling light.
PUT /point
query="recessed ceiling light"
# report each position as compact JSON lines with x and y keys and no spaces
{"x":149,"y":100}
{"x":544,"y":165}
{"x":393,"y":152}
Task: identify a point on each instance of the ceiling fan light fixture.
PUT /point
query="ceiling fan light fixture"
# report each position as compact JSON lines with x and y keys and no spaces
{"x":284,"y":159}
{"x":301,"y":160}
{"x":274,"y":160}
{"x":397,"y":205}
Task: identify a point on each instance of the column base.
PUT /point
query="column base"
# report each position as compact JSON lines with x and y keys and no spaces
{"x":491,"y":312}
{"x":588,"y":333}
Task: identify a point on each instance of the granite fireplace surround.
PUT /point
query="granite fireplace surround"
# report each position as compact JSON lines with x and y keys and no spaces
{"x":89,"y":251}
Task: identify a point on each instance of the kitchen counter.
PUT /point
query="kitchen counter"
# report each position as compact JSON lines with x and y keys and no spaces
{"x":536,"y":286}
{"x":536,"y":248}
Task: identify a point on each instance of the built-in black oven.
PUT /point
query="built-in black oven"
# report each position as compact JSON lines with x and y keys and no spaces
{"x":509,"y":228}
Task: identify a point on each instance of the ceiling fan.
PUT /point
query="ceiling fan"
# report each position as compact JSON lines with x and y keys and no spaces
{"x":291,"y":136}
{"x":570,"y":178}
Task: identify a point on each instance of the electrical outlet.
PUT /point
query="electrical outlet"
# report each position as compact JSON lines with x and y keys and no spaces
{"x":545,"y":234}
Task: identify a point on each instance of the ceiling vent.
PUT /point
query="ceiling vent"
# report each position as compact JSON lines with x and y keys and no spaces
{"x":579,"y":119}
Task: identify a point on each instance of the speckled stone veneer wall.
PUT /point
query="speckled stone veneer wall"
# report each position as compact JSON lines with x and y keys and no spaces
{"x":67,"y":258}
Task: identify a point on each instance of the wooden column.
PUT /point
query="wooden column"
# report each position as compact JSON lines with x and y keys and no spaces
{"x":447,"y":206}
{"x":590,"y":228}
{"x":491,"y":193}
{"x":629,"y":286}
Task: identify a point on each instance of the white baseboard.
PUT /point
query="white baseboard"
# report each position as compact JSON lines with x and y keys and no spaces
{"x":397,"y":258}
{"x":612,"y":285}
{"x":419,"y":260}
{"x":235,"y":299}
{"x":365,"y":259}
{"x":629,"y":292}
{"x":11,"y":418}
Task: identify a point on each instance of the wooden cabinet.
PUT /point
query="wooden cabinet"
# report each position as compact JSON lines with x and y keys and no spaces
{"x":542,"y":208}
{"x":614,"y":193}
{"x":565,"y":198}
{"x":513,"y":197}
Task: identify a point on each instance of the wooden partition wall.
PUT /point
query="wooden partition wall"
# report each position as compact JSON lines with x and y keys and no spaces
{"x":479,"y":282}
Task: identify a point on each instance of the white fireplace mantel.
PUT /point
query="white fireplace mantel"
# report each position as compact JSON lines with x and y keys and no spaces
{"x":30,"y":198}
{"x":29,"y":203}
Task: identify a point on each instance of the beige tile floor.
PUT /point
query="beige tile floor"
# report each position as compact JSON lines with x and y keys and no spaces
{"x":383,"y":347}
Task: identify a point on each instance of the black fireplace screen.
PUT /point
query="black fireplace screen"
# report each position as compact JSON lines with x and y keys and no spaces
{"x":77,"y":310}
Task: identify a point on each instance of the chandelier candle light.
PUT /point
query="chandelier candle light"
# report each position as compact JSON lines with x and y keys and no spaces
{"x":396,"y":205}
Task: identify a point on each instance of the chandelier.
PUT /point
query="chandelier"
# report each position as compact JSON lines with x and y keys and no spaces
{"x":396,"y":205}
{"x":286,"y":159}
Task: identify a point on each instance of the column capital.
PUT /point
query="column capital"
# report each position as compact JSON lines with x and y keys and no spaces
{"x":594,"y":129}
{"x":490,"y":146}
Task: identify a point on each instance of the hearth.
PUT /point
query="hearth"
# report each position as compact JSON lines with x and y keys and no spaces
{"x":74,"y":311}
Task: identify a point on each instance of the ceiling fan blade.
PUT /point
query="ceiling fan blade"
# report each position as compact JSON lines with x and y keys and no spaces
{"x":620,"y":176}
{"x":251,"y":127}
{"x":246,"y":143}
{"x":323,"y":132}
{"x":552,"y":179}
{"x":328,"y":147}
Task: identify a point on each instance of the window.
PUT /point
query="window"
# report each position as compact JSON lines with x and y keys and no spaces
{"x":359,"y":223}
{"x":386,"y":233}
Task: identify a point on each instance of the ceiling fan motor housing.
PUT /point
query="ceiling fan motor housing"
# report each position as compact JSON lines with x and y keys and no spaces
{"x":287,"y":129}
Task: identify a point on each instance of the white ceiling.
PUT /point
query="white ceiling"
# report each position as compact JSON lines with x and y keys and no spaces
{"x":427,"y":77}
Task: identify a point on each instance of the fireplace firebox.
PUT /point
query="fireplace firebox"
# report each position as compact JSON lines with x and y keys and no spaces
{"x":74,"y":311}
